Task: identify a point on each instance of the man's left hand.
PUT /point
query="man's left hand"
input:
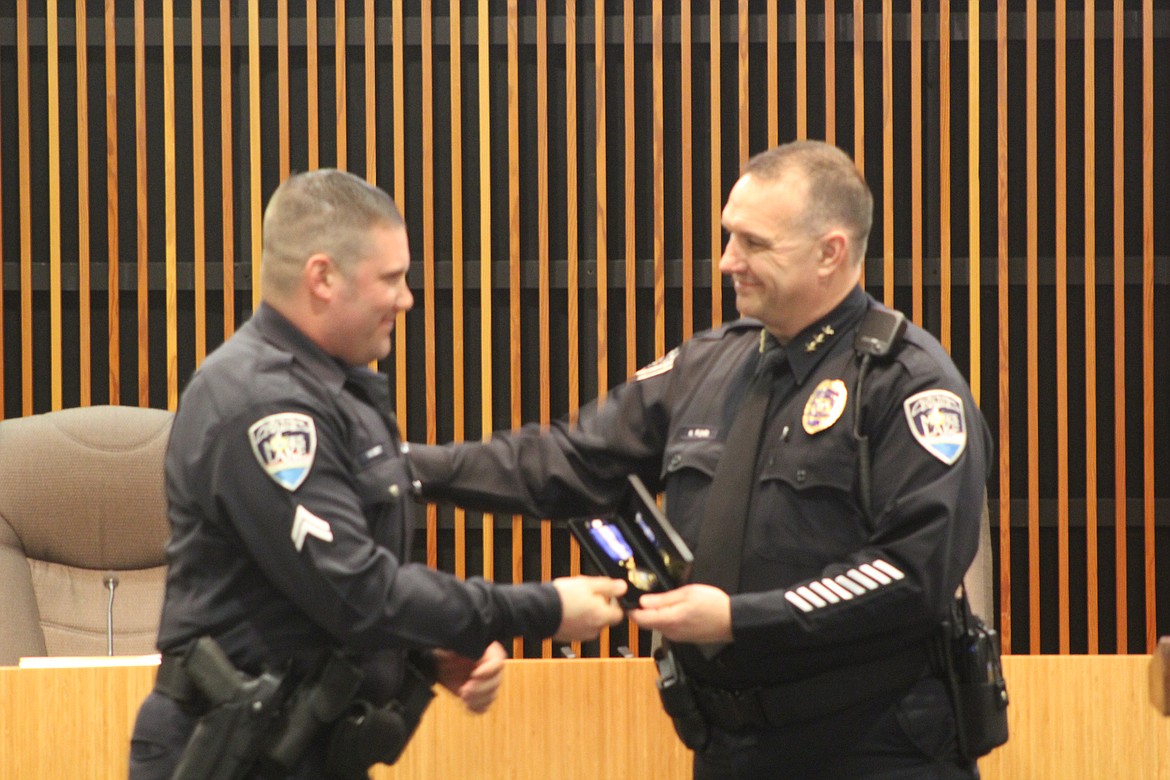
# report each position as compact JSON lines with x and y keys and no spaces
{"x":475,"y":682}
{"x":692,"y":613}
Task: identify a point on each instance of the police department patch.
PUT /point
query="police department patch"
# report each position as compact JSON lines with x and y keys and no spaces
{"x":285,"y":444}
{"x":660,"y":366}
{"x":824,"y":406}
{"x":937,"y":422}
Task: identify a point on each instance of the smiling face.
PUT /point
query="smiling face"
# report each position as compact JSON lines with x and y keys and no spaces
{"x":366,"y":300}
{"x":783,"y":272}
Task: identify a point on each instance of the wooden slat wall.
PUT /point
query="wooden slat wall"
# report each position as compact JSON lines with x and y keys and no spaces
{"x":642,"y":83}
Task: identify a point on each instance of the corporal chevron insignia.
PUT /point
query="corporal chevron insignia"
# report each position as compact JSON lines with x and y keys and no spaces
{"x":937,"y":422}
{"x":285,"y":444}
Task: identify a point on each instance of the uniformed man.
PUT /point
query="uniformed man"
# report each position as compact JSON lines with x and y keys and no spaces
{"x":289,"y":501}
{"x":811,"y":657}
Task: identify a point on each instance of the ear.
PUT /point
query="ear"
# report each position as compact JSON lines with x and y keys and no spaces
{"x":834,"y":252}
{"x":321,"y":276}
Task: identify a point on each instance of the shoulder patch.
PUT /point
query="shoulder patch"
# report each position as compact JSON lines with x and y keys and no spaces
{"x":660,"y":366}
{"x":937,"y":421}
{"x":285,"y":445}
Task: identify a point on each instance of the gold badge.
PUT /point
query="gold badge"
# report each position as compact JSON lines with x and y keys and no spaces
{"x":824,"y":406}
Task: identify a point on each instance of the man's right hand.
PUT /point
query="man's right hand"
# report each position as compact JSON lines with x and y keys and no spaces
{"x":588,"y":604}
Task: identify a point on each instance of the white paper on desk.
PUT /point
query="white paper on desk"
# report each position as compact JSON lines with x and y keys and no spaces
{"x":76,"y":661}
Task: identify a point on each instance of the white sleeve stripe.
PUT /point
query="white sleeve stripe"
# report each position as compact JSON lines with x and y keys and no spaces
{"x":833,"y":586}
{"x":889,"y":569}
{"x":812,"y":598}
{"x":858,"y":577}
{"x":824,"y":592}
{"x":800,"y":603}
{"x":850,"y":584}
{"x":877,"y":575}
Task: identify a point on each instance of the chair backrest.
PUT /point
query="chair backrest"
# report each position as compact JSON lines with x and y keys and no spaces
{"x":81,"y":499}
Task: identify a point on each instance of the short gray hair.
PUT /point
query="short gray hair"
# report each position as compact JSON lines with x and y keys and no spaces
{"x":837,"y":194}
{"x":325,"y":211}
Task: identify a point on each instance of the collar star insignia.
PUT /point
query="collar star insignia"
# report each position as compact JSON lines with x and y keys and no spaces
{"x":817,"y":340}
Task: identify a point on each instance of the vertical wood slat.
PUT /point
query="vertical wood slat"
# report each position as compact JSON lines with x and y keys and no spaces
{"x":801,"y":68}
{"x":888,"y":152}
{"x":1005,"y":569}
{"x":143,"y":203}
{"x":312,"y":85}
{"x":1090,"y":223}
{"x":398,"y":89}
{"x":1119,"y":418}
{"x":485,"y":269}
{"x":600,"y":163}
{"x":659,"y":188}
{"x":457,"y":355}
{"x":915,"y":160}
{"x":773,"y":37}
{"x":830,"y":72}
{"x":1061,"y":226}
{"x":742,"y":36}
{"x":113,"y":347}
{"x":859,"y":88}
{"x":686,"y":175}
{"x":254,"y":179}
{"x":282,"y":88}
{"x":227,"y":186}
{"x":339,"y":80}
{"x":974,"y":207}
{"x":629,"y":205}
{"x":54,"y":132}
{"x":944,"y":184}
{"x":716,"y":123}
{"x":514,"y":320}
{"x":199,"y":226}
{"x":84,"y":341}
{"x":428,"y":244}
{"x":542,"y":253}
{"x":1033,"y":379}
{"x":170,"y":192}
{"x":1151,"y":598}
{"x":571,"y":228}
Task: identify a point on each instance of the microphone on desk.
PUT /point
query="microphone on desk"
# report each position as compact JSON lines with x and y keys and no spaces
{"x":110,"y":581}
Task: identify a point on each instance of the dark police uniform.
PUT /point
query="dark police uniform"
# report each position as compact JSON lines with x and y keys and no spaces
{"x":828,"y":674}
{"x":291,"y":531}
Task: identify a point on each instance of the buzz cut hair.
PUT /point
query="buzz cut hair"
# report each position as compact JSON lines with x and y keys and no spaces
{"x":325,"y":211}
{"x":836,"y":194}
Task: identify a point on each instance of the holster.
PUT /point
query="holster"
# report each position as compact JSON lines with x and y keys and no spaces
{"x":970,"y":657}
{"x":371,"y":735}
{"x":230,"y":735}
{"x":318,"y":701}
{"x":678,"y":699}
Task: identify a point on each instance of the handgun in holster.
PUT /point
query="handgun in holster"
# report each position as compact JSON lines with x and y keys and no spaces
{"x":371,"y":735}
{"x":229,"y":737}
{"x":974,"y":675}
{"x":678,"y":699}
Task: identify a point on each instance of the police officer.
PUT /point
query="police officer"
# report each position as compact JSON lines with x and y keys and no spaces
{"x":289,"y":500}
{"x":813,"y":660}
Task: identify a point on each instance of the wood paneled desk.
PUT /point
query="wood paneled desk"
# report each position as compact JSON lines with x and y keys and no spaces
{"x":1071,"y":717}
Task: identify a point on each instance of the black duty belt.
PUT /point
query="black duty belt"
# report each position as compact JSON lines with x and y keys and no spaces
{"x":812,"y":697}
{"x":174,"y":682}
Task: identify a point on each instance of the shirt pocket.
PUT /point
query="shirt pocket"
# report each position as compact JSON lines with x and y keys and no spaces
{"x":687,"y":470}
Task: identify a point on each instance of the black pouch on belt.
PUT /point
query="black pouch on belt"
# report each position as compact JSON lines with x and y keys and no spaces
{"x":974,"y":674}
{"x":371,"y":735}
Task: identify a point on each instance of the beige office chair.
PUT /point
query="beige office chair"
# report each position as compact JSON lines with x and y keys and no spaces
{"x":82,"y":512}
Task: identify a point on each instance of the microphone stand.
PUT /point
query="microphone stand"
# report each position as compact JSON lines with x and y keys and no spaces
{"x":111,"y":582}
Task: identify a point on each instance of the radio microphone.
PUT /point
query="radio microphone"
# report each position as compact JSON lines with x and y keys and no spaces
{"x":110,"y":581}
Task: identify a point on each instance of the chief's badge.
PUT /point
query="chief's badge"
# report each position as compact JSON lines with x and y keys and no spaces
{"x":285,"y":444}
{"x":824,"y":406}
{"x":937,"y":422}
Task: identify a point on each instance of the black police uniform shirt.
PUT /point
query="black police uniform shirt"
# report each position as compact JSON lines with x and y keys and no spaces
{"x":821,"y":584}
{"x":291,"y":520}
